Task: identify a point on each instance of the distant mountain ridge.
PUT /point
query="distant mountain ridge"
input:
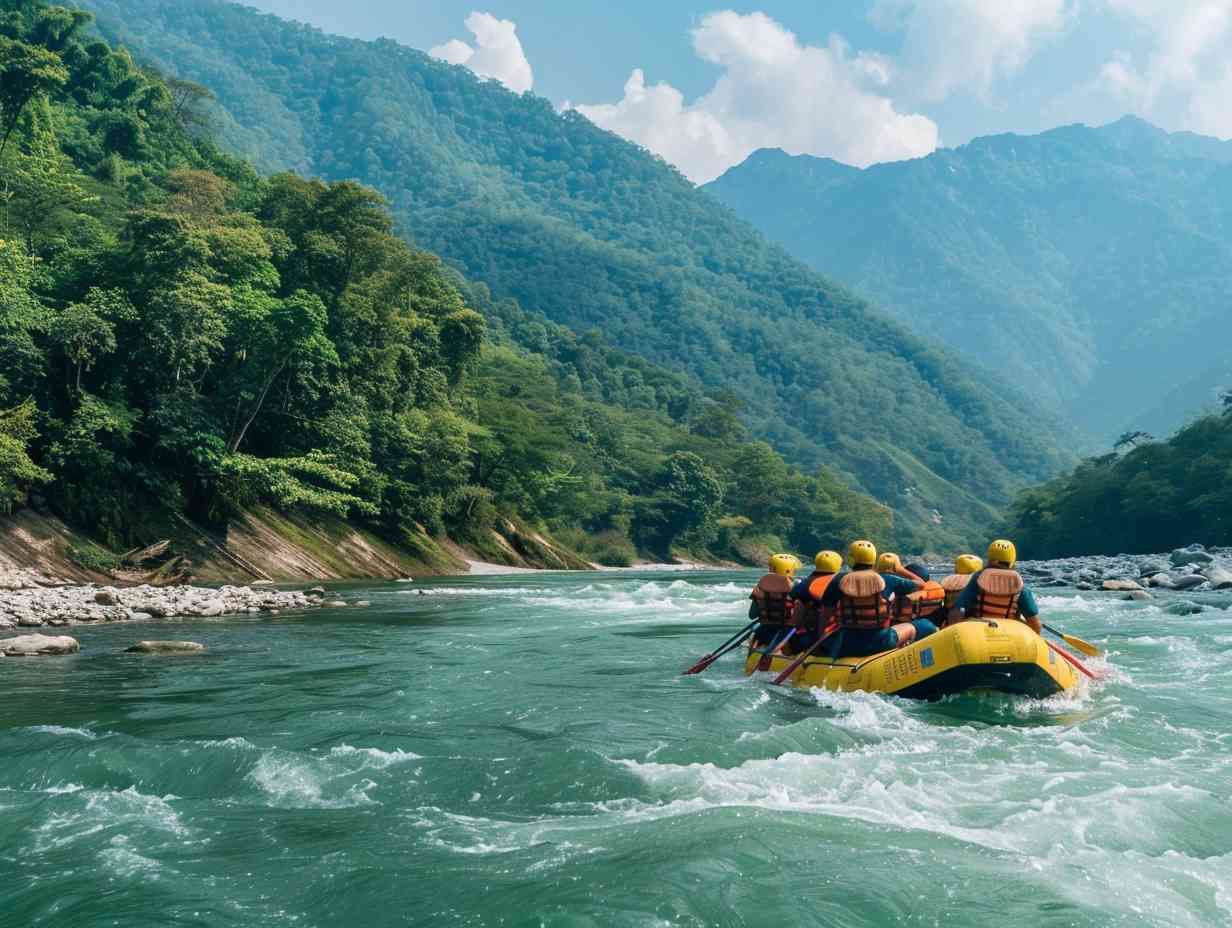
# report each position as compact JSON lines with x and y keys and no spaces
{"x":1092,"y":264}
{"x":595,"y":232}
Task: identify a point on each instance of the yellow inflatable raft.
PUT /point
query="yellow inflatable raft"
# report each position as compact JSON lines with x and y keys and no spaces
{"x":1004,"y":656}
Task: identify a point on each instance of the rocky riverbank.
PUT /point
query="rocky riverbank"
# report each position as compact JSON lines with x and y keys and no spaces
{"x":27,"y":601}
{"x":1192,"y":568}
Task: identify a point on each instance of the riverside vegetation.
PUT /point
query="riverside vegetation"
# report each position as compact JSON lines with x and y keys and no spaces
{"x":181,"y":335}
{"x":594,"y":232}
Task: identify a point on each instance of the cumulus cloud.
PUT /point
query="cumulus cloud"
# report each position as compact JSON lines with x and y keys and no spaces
{"x":1185,"y":79}
{"x":497,"y":53}
{"x":953,"y":45}
{"x":774,"y":91}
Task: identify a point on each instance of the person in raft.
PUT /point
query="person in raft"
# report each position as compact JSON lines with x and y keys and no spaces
{"x":998,"y":591}
{"x":924,"y":602}
{"x":861,"y":600}
{"x":811,"y":618}
{"x":771,"y":602}
{"x":966,"y":566}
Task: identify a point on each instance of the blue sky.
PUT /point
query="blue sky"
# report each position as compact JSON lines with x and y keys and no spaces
{"x":704,"y":84}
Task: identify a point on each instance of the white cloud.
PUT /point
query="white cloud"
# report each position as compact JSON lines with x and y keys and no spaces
{"x":1185,"y":81}
{"x":954,"y":45}
{"x":773,"y":92}
{"x":498,"y":53}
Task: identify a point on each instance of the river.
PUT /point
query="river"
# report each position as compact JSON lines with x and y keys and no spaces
{"x":522,"y":751}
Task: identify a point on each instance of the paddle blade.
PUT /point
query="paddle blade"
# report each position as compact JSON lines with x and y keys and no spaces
{"x":700,"y":665}
{"x":1085,"y":647}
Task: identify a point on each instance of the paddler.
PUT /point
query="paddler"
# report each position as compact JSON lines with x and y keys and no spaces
{"x":998,"y":591}
{"x":811,"y":618}
{"x":928,"y":602}
{"x":861,"y":598}
{"x":965,"y":567}
{"x":772,"y":604}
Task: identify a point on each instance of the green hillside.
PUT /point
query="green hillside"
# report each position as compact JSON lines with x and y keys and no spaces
{"x":1076,"y":260}
{"x":594,"y":232}
{"x":1155,"y":496}
{"x":182,"y":336}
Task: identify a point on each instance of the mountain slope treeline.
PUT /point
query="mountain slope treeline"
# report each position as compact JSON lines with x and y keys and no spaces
{"x":594,"y":232}
{"x":180,"y":334}
{"x":1154,"y":496}
{"x":1071,"y":260}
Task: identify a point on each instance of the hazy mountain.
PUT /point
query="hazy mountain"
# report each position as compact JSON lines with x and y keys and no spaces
{"x":1093,"y":266}
{"x":596,"y":232}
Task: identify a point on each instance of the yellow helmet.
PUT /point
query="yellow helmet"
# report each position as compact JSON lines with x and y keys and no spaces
{"x":1002,"y":552}
{"x":888,"y":563}
{"x":783,"y":564}
{"x":828,"y":562}
{"x":968,"y":564}
{"x":862,"y":554}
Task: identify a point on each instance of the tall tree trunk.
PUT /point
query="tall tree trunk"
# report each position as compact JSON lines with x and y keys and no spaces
{"x":235,"y":443}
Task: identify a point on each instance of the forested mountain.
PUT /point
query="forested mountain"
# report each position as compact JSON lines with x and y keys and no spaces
{"x":1146,"y":496}
{"x":594,"y":232}
{"x":180,"y":335}
{"x":1094,"y":265}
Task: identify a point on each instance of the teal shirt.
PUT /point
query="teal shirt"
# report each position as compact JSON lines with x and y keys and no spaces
{"x":1026,"y":600}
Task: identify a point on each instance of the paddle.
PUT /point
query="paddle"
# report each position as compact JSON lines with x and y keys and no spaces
{"x":1073,"y":660}
{"x":722,"y":649}
{"x":791,"y":668}
{"x":1075,"y":642}
{"x":767,"y":656}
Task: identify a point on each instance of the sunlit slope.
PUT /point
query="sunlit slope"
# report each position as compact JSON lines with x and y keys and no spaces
{"x":1092,"y":264}
{"x":595,"y":232}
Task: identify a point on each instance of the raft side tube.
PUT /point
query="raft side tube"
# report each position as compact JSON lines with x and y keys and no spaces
{"x":1005,"y":656}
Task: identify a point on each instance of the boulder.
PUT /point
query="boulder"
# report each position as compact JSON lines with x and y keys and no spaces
{"x":29,"y":621}
{"x":37,"y":645}
{"x":1220,"y":579}
{"x":1161,"y":580}
{"x":315,"y":591}
{"x":1122,"y":586}
{"x":166,"y":647}
{"x":107,"y":597}
{"x":1138,"y":595}
{"x":211,"y":608}
{"x":334,"y":604}
{"x":1184,"y":608}
{"x":1194,"y":554}
{"x":1188,"y":582}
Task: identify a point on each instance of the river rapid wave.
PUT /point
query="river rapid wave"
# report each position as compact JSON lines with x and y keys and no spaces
{"x":523,"y":751}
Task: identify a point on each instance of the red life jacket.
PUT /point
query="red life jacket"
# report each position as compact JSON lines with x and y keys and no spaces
{"x":862,"y":606}
{"x":773,"y":597}
{"x":997,"y":593}
{"x":954,"y":585}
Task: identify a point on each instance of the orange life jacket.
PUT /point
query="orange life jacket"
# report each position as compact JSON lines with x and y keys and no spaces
{"x":997,"y":593}
{"x":954,"y":585}
{"x":773,"y":597}
{"x":816,"y":584}
{"x":924,"y":601}
{"x":862,"y":606}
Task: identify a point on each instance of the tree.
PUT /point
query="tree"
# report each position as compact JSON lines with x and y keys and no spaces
{"x":18,"y":472}
{"x":185,"y":326}
{"x":85,"y":331}
{"x":188,"y":100}
{"x":25,"y":72}
{"x":1131,"y":440}
{"x":292,"y":333}
{"x":22,"y":316}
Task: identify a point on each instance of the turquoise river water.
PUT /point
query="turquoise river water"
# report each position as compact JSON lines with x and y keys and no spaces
{"x":523,"y":751}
